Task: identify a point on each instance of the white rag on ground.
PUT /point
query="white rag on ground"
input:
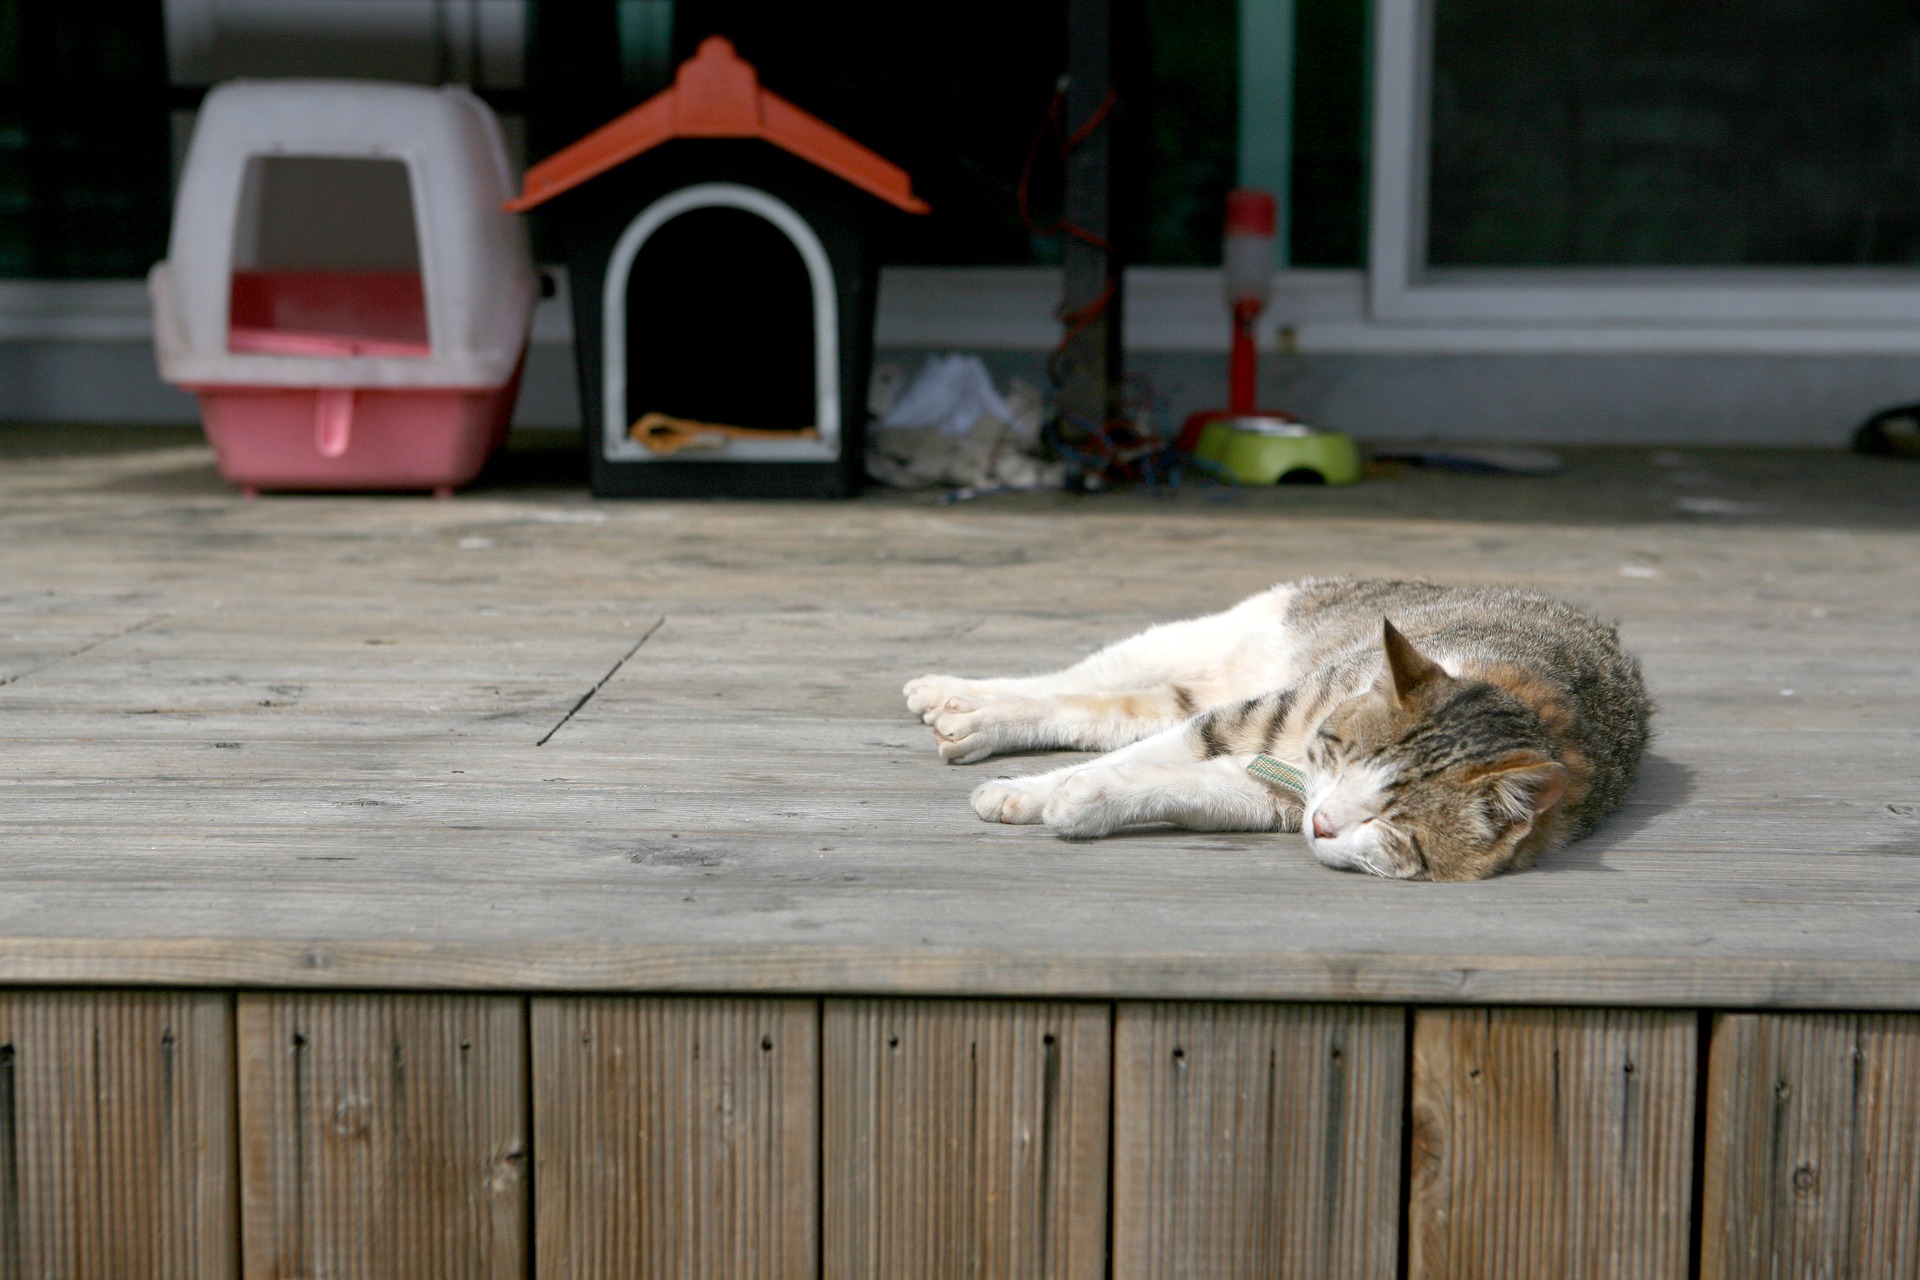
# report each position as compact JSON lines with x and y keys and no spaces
{"x":949,"y":394}
{"x":949,"y":426}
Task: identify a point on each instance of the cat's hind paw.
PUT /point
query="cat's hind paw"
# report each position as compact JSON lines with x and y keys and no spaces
{"x":1015,"y":800}
{"x":1086,"y":806}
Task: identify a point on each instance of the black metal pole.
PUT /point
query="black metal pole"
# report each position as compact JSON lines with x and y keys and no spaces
{"x":1090,"y":301}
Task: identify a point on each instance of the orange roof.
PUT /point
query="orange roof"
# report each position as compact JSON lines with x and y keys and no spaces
{"x":716,"y":94}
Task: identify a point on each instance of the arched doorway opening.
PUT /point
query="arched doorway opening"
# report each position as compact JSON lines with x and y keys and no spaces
{"x":719,"y":305}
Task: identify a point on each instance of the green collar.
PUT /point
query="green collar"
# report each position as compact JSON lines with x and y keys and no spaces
{"x":1278,"y":773}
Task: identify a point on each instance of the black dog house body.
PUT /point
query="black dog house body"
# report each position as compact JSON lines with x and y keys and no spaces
{"x":724,"y":276}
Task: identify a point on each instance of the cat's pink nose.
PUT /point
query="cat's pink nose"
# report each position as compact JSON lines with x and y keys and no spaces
{"x":1322,"y":828}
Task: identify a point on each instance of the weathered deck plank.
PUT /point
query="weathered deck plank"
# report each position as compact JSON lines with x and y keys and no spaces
{"x":292,"y":743}
{"x":1257,"y":1141}
{"x":677,"y":1137}
{"x":964,"y":1139}
{"x":116,"y":1134}
{"x":1551,"y":1142}
{"x":382,"y":1135}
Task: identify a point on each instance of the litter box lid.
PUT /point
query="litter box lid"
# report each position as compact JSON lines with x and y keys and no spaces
{"x":476,"y":272}
{"x":716,"y":94}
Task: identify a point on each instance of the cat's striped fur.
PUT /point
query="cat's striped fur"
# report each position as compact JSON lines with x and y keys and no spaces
{"x":1446,"y":733}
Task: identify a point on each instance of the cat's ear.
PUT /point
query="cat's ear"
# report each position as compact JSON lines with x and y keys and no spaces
{"x":1526,"y":785}
{"x":1407,"y":668}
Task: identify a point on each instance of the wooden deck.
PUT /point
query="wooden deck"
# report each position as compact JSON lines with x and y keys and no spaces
{"x":520,"y":884}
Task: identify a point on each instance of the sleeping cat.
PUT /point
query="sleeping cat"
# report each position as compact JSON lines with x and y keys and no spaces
{"x":1412,"y":730}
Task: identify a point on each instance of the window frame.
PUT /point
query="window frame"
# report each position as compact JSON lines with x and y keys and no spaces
{"x":1403,"y":289}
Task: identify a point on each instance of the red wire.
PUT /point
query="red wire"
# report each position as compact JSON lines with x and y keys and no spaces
{"x":1077,"y":322}
{"x":1063,"y":147}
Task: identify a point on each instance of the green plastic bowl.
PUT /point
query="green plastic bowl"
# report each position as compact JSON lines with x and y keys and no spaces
{"x":1264,"y":456}
{"x":1212,"y":444}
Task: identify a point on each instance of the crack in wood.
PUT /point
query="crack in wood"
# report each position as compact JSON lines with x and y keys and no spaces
{"x":599,"y":684}
{"x":11,"y":1267}
{"x":301,"y":1144}
{"x":85,"y":648}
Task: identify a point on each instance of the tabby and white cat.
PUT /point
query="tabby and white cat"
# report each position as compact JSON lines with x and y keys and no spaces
{"x":1443,"y":733}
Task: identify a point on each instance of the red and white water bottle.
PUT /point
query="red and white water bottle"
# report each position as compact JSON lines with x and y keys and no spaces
{"x":1248,"y":274}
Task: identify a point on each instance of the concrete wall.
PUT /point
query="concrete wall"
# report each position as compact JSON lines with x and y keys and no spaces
{"x":81,"y":354}
{"x":1541,"y":399}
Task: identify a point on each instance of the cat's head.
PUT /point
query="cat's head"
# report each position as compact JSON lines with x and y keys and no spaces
{"x":1429,"y":776}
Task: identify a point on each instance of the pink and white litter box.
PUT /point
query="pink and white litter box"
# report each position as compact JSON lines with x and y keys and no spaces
{"x":342,"y":287}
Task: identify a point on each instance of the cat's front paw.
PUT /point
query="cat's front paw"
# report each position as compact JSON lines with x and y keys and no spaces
{"x":1086,"y":806}
{"x":927,"y":694}
{"x":963,"y":731}
{"x":1018,"y":800}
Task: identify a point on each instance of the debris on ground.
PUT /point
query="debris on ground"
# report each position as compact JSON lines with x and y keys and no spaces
{"x":949,"y":427}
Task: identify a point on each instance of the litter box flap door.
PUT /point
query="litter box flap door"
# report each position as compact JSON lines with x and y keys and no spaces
{"x":719,"y":305}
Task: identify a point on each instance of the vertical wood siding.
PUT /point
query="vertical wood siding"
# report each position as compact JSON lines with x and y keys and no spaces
{"x":1551,"y":1142}
{"x":677,"y":1137}
{"x":383,"y":1136}
{"x":116,"y":1135}
{"x":1257,"y":1140}
{"x":391,"y":1135}
{"x":1813,"y":1147}
{"x":964,"y":1138}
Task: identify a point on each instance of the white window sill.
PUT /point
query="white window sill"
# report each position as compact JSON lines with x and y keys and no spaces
{"x":1179,"y":309}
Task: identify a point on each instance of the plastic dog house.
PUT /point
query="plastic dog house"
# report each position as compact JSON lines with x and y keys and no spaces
{"x":343,"y":288}
{"x":723,"y":273}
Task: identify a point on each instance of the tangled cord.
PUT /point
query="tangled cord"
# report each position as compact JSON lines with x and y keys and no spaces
{"x":1129,"y":447}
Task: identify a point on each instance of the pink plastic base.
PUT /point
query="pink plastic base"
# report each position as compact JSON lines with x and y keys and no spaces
{"x":274,"y":438}
{"x":345,"y":437}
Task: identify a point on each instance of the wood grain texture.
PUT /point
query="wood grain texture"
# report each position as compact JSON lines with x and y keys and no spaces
{"x":964,"y":1139}
{"x":784,"y":968}
{"x":677,"y":1137}
{"x":116,"y":1135}
{"x":291,"y":743}
{"x":1257,"y":1141}
{"x":1813,"y":1147}
{"x":1551,"y":1142}
{"x":383,"y":1136}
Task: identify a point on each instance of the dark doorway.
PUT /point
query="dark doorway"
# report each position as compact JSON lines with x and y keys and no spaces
{"x":720,"y":324}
